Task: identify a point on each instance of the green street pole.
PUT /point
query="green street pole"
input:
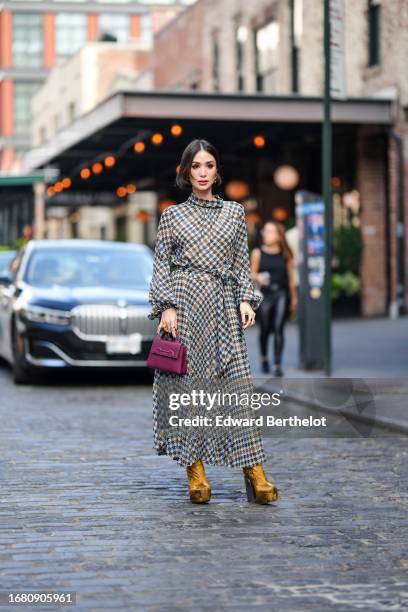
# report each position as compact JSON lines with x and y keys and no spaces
{"x":326,"y":188}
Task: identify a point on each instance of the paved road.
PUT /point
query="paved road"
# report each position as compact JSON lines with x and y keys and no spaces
{"x":87,"y":506}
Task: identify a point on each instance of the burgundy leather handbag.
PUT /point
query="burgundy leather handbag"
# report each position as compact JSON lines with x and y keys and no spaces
{"x":168,"y":355}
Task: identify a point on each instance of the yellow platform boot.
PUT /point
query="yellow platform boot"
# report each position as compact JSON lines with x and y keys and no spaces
{"x":258,"y":488}
{"x":198,"y":485}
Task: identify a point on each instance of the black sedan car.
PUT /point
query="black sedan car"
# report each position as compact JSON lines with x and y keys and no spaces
{"x":76,"y":304}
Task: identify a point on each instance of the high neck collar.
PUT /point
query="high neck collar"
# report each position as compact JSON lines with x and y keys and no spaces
{"x":216,"y":203}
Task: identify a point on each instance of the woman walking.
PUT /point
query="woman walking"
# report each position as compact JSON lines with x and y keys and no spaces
{"x":203,"y":293}
{"x":272,"y":267}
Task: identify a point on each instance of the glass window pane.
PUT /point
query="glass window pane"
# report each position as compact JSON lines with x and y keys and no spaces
{"x":267,"y":56}
{"x":146,"y":28}
{"x":27,"y":40}
{"x":23,"y":93}
{"x":71,"y":33}
{"x":115,"y":25}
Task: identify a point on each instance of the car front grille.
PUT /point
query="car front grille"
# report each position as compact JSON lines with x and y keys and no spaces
{"x":101,"y":321}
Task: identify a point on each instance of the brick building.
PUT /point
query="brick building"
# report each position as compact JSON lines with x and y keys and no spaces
{"x":276,"y":48}
{"x":35,"y":36}
{"x":231,"y":71}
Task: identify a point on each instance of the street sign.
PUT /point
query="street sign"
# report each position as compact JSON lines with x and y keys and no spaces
{"x":310,"y":221}
{"x":20,"y":179}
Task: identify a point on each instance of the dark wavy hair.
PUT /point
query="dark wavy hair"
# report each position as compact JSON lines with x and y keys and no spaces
{"x":284,"y":246}
{"x":199,"y":144}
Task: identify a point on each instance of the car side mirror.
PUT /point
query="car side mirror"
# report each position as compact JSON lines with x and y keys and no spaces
{"x":5,"y":278}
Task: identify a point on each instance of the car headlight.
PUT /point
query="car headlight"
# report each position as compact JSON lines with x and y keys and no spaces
{"x":46,"y":315}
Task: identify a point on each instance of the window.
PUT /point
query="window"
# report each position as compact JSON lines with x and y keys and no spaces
{"x":27,"y":40}
{"x":374,"y":18}
{"x":240,"y":40}
{"x":267,"y":56}
{"x":42,"y":135}
{"x":146,"y":28}
{"x":23,"y":92}
{"x":71,"y":33}
{"x":215,"y":62}
{"x":71,"y":111}
{"x":114,"y":25}
{"x":296,"y":39}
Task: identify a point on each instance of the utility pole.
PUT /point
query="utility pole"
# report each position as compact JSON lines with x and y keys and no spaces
{"x":326,"y":187}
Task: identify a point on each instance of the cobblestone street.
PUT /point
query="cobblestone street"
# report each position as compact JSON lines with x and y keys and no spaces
{"x":87,"y":506}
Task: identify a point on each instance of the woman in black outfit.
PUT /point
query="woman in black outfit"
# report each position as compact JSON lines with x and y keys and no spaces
{"x":273,"y":269}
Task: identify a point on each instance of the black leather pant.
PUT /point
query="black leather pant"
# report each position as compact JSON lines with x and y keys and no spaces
{"x":272,"y":315}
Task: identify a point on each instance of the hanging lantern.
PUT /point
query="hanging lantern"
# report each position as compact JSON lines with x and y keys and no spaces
{"x":280,"y":214}
{"x":237,"y":190}
{"x":97,"y":168}
{"x":143,"y":216}
{"x":176,"y":130}
{"x":121,"y":192}
{"x":109,"y":161}
{"x":286,"y":177}
{"x":157,"y":138}
{"x":259,"y":141}
{"x":85,"y":173}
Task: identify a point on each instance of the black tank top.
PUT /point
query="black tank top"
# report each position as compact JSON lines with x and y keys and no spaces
{"x":275,"y":264}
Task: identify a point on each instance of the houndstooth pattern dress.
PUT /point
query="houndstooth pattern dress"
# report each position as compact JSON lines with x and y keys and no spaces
{"x":201,"y":268}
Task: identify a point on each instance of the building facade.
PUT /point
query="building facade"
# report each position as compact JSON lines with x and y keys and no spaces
{"x":79,"y":84}
{"x":276,"y":48}
{"x":35,"y":36}
{"x":248,"y":73}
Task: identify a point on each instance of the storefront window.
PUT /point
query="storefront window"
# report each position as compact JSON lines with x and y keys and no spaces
{"x":71,"y":33}
{"x":23,"y":93}
{"x":27,"y":40}
{"x":267,"y":57}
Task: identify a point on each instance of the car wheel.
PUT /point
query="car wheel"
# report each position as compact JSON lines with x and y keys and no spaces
{"x":21,"y":371}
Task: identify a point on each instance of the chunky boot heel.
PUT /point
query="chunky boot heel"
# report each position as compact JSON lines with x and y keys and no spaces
{"x":258,"y":489}
{"x":198,"y":485}
{"x":249,"y":490}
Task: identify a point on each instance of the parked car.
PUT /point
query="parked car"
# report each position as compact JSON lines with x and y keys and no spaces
{"x":76,"y":304}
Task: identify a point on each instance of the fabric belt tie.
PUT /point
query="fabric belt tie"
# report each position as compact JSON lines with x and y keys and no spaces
{"x":225,"y":350}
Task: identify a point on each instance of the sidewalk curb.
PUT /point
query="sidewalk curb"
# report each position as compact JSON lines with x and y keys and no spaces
{"x":379,"y":421}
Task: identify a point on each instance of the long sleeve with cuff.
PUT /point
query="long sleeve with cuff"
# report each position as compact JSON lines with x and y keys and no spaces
{"x":161,"y":295}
